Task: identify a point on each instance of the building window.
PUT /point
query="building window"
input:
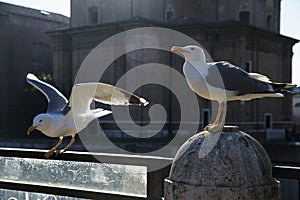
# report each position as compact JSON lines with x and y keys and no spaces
{"x":248,"y":66}
{"x":205,"y":117}
{"x":297,"y":105}
{"x":268,"y":121}
{"x":93,"y":15}
{"x":170,"y":13}
{"x":269,"y":22}
{"x":244,"y":17}
{"x":40,"y":57}
{"x":206,"y":37}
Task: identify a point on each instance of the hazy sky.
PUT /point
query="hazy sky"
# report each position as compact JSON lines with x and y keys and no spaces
{"x":290,"y":21}
{"x":290,"y":26}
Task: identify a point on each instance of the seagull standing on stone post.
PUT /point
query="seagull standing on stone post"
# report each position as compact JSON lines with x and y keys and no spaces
{"x":222,"y":81}
{"x":64,"y":118}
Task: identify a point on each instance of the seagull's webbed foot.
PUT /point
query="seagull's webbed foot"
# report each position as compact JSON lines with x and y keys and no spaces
{"x":49,"y":153}
{"x":206,"y":128}
{"x":54,"y":149}
{"x":213,"y":128}
{"x":58,"y":152}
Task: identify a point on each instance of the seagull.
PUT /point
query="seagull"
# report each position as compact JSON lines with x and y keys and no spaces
{"x":66,"y":118}
{"x":222,"y":81}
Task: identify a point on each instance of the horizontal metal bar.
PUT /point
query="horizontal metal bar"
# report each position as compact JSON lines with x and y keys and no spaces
{"x":64,"y":191}
{"x":112,"y":158}
{"x":288,"y":171}
{"x":195,"y":122}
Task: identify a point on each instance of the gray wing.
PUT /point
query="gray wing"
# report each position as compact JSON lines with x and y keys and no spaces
{"x":83,"y":94}
{"x":112,"y":95}
{"x":56,"y":100}
{"x":235,"y":79}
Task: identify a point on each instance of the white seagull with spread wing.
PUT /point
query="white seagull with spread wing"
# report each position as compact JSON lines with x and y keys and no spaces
{"x":59,"y":120}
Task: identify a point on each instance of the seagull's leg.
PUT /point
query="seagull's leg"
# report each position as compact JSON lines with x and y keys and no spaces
{"x":222,"y":108}
{"x":222,"y":123}
{"x":67,"y":147}
{"x":220,"y":111}
{"x":51,"y":151}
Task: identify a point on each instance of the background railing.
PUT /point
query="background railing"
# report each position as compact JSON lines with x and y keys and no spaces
{"x":154,"y":179}
{"x":287,"y":171}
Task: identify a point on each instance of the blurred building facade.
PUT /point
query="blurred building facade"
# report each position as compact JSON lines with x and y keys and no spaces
{"x":245,"y":33}
{"x":296,"y":106}
{"x":24,"y":48}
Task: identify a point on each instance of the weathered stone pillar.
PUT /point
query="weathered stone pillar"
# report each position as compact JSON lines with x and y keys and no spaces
{"x":237,"y":167}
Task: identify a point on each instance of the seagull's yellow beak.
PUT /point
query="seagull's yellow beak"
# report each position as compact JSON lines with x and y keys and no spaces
{"x":31,"y":128}
{"x":178,"y":49}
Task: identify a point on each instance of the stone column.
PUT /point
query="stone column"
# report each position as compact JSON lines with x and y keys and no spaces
{"x":237,"y":167}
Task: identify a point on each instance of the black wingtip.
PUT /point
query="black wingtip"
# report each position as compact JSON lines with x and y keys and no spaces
{"x":290,"y":86}
{"x":284,"y":87}
{"x":134,"y":100}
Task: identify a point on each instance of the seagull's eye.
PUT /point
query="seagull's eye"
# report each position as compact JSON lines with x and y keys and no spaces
{"x":192,"y":48}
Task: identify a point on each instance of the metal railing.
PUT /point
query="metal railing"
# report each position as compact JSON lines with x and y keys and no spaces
{"x":287,"y":171}
{"x":155,"y":179}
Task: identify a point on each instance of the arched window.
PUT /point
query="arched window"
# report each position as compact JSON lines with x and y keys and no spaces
{"x":93,"y":15}
{"x":244,"y":17}
{"x":170,"y":13}
{"x":205,"y":117}
{"x":248,"y":66}
{"x":268,"y":121}
{"x":269,"y":22}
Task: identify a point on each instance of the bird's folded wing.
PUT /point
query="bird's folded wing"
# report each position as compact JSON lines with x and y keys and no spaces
{"x":83,"y":94}
{"x":56,"y":100}
{"x":260,"y":77}
{"x":229,"y":77}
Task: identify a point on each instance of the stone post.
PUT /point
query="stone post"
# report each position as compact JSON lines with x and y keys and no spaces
{"x":237,"y":167}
